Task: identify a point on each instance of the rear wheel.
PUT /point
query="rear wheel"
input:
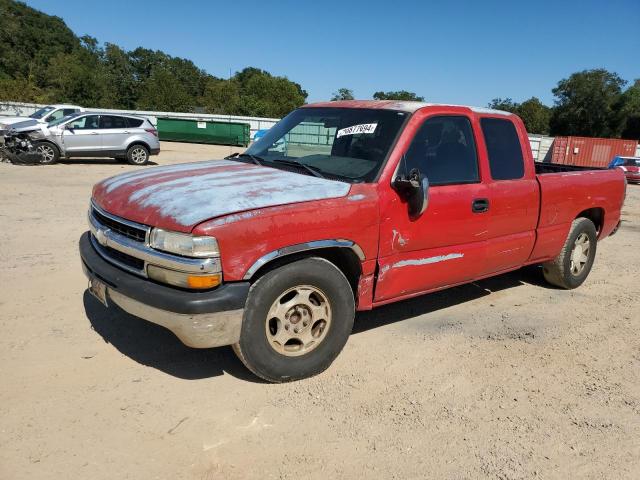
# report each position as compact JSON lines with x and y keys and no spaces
{"x":49,"y":153}
{"x":572,"y":266}
{"x":137,"y":155}
{"x":297,"y":320}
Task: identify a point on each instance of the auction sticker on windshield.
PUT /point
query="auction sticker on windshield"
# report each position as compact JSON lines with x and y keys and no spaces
{"x":356,"y":129}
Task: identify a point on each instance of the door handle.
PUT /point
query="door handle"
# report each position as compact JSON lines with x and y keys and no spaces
{"x":480,"y":205}
{"x":94,"y":133}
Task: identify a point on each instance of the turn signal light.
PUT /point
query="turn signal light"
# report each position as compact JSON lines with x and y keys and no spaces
{"x":203,"y":281}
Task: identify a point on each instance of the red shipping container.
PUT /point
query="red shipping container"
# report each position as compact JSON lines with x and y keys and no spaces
{"x":589,"y":152}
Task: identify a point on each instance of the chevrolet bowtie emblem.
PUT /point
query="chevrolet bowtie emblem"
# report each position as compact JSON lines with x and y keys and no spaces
{"x":101,"y":236}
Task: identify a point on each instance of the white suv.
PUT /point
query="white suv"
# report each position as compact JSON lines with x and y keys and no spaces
{"x":88,"y":134}
{"x":46,"y":114}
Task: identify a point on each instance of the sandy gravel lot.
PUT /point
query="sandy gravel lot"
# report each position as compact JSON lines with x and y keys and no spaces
{"x":505,"y":379}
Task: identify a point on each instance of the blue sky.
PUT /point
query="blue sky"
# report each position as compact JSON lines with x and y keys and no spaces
{"x":464,"y":52}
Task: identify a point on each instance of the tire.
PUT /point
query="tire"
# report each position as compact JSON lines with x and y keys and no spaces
{"x":572,"y":266}
{"x":48,"y":151}
{"x":137,"y":154}
{"x":301,"y":295}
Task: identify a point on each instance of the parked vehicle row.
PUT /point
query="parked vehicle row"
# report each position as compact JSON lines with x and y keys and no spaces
{"x":630,"y":166}
{"x":92,"y":134}
{"x":46,"y":114}
{"x":273,"y":250}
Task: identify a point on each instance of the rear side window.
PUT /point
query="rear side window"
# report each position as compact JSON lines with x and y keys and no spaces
{"x":134,"y":122}
{"x":109,"y":121}
{"x":444,"y":150}
{"x":504,"y":149}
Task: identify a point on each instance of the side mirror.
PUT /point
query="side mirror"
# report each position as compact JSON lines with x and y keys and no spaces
{"x":415,"y":190}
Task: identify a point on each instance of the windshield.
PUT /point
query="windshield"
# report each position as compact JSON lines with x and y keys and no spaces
{"x":631,"y":162}
{"x":42,"y":112}
{"x":53,"y":123}
{"x":348,"y":143}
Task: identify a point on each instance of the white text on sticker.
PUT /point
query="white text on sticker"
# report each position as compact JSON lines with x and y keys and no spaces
{"x":356,"y":129}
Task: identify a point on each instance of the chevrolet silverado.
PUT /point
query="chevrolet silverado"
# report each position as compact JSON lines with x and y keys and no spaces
{"x":340,"y":207}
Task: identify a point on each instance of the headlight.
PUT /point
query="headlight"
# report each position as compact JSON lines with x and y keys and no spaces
{"x":183,"y":279}
{"x":184,"y":244}
{"x":36,"y":135}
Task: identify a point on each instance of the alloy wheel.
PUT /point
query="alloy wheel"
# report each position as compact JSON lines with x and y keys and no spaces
{"x":298,"y":321}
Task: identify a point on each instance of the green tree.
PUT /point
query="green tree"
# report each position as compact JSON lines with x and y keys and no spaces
{"x":628,"y":113}
{"x":535,"y":115}
{"x":119,"y":89}
{"x":585,"y":104}
{"x":20,"y":88}
{"x":399,"y":95}
{"x":163,"y":91}
{"x":222,"y":96}
{"x":342,"y":94}
{"x":42,"y":60}
{"x":504,"y":104}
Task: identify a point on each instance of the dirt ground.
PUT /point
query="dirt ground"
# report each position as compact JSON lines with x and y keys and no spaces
{"x":506,"y":378}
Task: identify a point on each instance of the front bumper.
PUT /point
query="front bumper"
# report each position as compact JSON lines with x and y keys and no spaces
{"x":198,"y":319}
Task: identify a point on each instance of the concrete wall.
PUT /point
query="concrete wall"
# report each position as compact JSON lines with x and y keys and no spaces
{"x":17,"y":109}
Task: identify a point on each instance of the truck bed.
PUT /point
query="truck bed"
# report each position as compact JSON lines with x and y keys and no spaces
{"x":542,"y":168}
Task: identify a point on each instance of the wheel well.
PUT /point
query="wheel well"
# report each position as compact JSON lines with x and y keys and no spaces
{"x":343,"y":258}
{"x":139,"y":142}
{"x":596,"y":215}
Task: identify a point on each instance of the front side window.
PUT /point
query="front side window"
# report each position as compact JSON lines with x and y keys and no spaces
{"x":503,"y":148}
{"x":90,"y":122}
{"x":444,"y":151}
{"x":349,"y":144}
{"x":57,"y":115}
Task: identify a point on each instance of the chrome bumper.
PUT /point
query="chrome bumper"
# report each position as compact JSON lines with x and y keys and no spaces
{"x":199,"y":319}
{"x":202,"y":330}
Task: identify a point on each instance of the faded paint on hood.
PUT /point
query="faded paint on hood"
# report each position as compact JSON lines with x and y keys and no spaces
{"x":178,"y":197}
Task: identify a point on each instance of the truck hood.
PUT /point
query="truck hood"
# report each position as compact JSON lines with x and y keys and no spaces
{"x":16,"y":120}
{"x":179,"y":197}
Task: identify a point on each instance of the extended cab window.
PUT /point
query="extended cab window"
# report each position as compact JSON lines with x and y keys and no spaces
{"x":504,"y":149}
{"x":444,"y":151}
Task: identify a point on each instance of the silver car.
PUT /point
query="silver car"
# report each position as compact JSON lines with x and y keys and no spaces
{"x":88,"y":134}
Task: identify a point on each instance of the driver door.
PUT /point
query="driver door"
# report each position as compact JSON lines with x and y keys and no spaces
{"x":82,"y":136}
{"x":446,"y":245}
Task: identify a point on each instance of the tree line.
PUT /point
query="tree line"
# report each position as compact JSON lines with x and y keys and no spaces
{"x":43,"y":61}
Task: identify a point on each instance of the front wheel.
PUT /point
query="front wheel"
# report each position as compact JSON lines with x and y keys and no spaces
{"x":297,"y":319}
{"x":137,"y":155}
{"x":49,"y":154}
{"x":572,"y":266}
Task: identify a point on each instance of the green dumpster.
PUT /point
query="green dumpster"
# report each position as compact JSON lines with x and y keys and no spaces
{"x":204,"y":131}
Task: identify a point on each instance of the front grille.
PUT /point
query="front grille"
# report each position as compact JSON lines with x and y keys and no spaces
{"x":123,"y":258}
{"x":137,"y":234}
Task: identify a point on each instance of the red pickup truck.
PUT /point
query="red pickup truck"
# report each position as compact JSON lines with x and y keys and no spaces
{"x":341,"y":206}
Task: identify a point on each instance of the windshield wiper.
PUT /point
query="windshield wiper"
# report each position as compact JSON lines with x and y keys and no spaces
{"x":254,"y":158}
{"x":315,"y":171}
